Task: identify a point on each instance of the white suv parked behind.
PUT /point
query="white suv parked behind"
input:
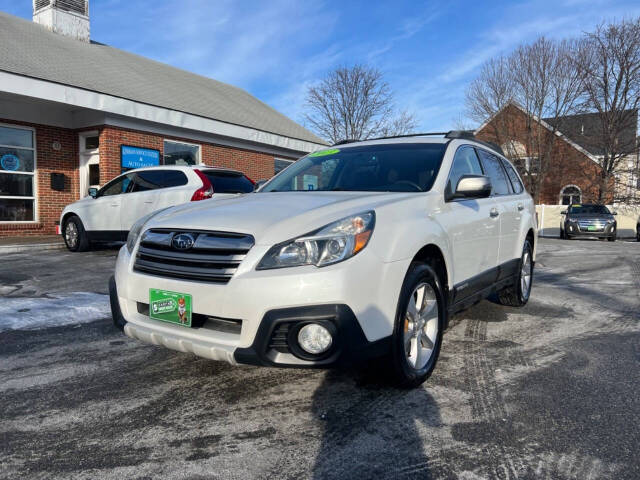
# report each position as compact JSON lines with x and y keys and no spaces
{"x":107,"y":214}
{"x":358,"y":251}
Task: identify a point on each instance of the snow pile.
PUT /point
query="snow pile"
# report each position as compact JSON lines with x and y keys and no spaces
{"x":57,"y":310}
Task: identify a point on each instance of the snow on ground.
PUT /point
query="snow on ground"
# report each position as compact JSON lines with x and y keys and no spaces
{"x":62,"y":309}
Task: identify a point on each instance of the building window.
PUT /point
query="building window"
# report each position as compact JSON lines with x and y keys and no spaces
{"x":178,"y":153}
{"x":570,"y":195}
{"x":92,"y":142}
{"x":280,"y":164}
{"x":17,"y":167}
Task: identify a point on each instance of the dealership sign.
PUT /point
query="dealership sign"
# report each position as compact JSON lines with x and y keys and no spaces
{"x":136,"y":157}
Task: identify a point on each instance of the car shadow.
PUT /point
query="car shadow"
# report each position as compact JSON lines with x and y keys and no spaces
{"x":371,"y":430}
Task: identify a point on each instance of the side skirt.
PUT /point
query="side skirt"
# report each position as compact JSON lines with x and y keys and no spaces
{"x":476,"y":289}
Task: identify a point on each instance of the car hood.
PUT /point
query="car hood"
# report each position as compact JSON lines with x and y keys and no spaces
{"x":274,"y":216}
{"x":83,"y":201}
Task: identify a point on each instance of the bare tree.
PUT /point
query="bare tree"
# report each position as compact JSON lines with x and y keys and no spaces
{"x":541,"y":81}
{"x":609,"y":59}
{"x":355,"y":103}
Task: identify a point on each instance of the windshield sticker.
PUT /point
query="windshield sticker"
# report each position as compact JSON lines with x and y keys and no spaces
{"x":323,"y":153}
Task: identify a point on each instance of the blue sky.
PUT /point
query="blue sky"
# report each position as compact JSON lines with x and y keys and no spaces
{"x":428,"y":51}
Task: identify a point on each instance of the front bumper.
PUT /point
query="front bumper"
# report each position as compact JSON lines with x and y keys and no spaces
{"x":357,"y":297}
{"x":574,"y":230}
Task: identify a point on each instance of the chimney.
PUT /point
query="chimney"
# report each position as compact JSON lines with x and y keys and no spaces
{"x":66,"y":17}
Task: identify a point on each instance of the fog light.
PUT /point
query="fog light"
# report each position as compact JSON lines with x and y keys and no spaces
{"x":570,"y":228}
{"x":314,"y":339}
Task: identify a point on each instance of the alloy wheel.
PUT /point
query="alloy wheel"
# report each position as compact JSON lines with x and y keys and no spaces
{"x":421,"y":326}
{"x":71,"y":234}
{"x":525,"y":276}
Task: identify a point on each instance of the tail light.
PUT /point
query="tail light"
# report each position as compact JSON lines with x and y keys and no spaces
{"x":204,"y":192}
{"x":252,"y":182}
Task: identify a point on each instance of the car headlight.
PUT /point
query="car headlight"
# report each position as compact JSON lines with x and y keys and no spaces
{"x":330,"y":244}
{"x":137,"y":227}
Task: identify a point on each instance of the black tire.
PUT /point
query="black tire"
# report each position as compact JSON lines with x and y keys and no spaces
{"x":563,"y":234}
{"x":404,"y":374}
{"x":79,"y":243}
{"x":612,"y":239}
{"x":638,"y":233}
{"x":515,"y":296}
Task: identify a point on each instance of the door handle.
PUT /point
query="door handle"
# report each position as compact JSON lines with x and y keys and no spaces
{"x":494,"y":213}
{"x":520,"y":207}
{"x":115,"y":204}
{"x":148,"y":201}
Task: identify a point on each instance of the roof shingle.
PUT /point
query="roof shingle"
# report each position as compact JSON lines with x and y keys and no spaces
{"x":31,"y":50}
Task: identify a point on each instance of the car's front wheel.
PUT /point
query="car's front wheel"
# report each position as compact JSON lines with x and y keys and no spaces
{"x":518,"y":294}
{"x":420,"y":320}
{"x":74,"y":234}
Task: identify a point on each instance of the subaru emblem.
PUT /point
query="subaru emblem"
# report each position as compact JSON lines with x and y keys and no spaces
{"x":183,"y":241}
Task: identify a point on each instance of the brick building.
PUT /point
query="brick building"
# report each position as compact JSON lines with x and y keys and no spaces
{"x":573,"y":174}
{"x":70,"y":107}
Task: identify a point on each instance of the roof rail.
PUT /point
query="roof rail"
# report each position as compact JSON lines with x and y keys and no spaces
{"x":466,"y":134}
{"x":451,"y":135}
{"x":346,"y":140}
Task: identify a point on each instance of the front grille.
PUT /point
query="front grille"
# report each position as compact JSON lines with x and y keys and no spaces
{"x":278,"y":340}
{"x":213,"y":258}
{"x":585,"y":224}
{"x":198,"y":320}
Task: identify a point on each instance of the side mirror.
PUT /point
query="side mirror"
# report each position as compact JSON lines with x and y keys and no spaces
{"x":563,"y":212}
{"x":93,"y":192}
{"x":259,"y":185}
{"x":473,"y":186}
{"x":614,"y":213}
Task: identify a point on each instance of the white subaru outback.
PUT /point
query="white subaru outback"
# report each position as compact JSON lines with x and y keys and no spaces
{"x":362,"y":250}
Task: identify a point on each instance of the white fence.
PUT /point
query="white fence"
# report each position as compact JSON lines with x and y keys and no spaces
{"x":549,"y":219}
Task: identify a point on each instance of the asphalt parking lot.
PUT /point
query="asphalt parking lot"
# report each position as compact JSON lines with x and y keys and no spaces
{"x":547,"y":391}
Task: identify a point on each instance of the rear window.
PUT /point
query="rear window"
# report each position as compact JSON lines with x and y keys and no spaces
{"x":154,"y":179}
{"x":229,"y":182}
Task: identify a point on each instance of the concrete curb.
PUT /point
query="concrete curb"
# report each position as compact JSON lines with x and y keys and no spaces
{"x":34,"y":247}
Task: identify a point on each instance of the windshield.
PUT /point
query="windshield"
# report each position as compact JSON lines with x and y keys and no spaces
{"x":407,"y":167}
{"x":590,"y":209}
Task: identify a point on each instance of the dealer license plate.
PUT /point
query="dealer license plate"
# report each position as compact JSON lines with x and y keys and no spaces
{"x":172,"y":307}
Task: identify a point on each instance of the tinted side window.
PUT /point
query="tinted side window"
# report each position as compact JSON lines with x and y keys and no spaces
{"x":465,"y":162}
{"x":513,"y":176}
{"x":228,"y":182}
{"x":117,"y":186}
{"x":493,"y":167}
{"x":154,"y":179}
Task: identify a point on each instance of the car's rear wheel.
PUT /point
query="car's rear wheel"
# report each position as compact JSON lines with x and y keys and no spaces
{"x":612,"y":239}
{"x":74,"y":234}
{"x":518,"y":294}
{"x":420,"y":320}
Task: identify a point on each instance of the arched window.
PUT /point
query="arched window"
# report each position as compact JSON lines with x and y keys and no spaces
{"x":570,"y":194}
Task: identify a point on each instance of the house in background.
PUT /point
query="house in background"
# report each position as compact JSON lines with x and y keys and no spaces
{"x":74,"y":113}
{"x":574,"y":171}
{"x":586,"y":131}
{"x":573,"y":174}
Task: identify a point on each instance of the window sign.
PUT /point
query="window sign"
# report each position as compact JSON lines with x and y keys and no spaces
{"x":9,"y":162}
{"x":310,"y":182}
{"x":136,"y":157}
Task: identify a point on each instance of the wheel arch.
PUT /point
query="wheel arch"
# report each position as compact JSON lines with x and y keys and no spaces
{"x":67,"y":216}
{"x":433,"y":255}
